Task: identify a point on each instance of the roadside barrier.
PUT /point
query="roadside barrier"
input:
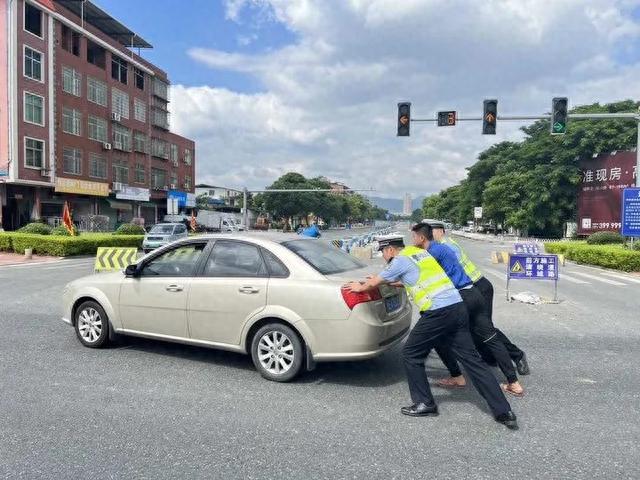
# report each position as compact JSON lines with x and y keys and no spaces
{"x":351,"y":244}
{"x":114,"y":258}
{"x":499,"y":257}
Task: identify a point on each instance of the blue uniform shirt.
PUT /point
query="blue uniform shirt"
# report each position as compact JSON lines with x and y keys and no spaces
{"x":447,"y":259}
{"x":403,"y":269}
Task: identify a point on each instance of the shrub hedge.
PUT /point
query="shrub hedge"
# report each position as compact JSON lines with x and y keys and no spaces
{"x":61,"y":246}
{"x":61,"y":231}
{"x":129,"y":229}
{"x":37,"y":228}
{"x":610,"y":256}
{"x":605,"y":238}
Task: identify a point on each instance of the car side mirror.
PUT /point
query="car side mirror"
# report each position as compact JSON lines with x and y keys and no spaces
{"x":132,"y":271}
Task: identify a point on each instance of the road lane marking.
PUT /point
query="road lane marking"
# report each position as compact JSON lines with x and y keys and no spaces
{"x":497,"y":273}
{"x":621,"y":277}
{"x":564,"y":276}
{"x":600,"y":279}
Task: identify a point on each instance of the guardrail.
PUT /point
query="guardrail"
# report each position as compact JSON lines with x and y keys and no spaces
{"x":349,"y":243}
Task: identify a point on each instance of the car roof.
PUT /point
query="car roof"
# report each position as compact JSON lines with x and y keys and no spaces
{"x":168,"y":223}
{"x":254,"y":237}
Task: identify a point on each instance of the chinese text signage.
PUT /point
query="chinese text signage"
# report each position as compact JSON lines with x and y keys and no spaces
{"x":532,"y":248}
{"x":81,"y":187}
{"x":631,"y":212}
{"x":533,"y":267}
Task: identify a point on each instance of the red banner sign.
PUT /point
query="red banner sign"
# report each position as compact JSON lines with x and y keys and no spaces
{"x":600,"y":192}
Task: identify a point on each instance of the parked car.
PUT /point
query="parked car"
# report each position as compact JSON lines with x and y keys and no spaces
{"x":162,"y":234}
{"x":279,"y":299}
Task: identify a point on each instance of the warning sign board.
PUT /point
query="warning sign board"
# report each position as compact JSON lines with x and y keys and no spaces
{"x":533,"y":267}
{"x":517,"y":267}
{"x":115,"y":258}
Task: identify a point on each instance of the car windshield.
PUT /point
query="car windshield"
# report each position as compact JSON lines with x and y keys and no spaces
{"x":164,"y":229}
{"x":327,"y":260}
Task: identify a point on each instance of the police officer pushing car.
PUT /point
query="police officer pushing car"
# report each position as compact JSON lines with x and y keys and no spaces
{"x":443,"y":320}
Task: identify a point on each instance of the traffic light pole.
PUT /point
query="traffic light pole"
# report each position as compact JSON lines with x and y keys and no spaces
{"x":572,"y":116}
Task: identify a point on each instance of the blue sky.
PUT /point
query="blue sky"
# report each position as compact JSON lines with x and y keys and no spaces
{"x":270,"y":86}
{"x":175,"y":26}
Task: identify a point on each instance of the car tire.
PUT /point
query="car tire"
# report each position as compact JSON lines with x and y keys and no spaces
{"x":91,"y":325}
{"x":277,"y":352}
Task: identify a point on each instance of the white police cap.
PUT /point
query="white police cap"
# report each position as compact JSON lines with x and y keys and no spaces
{"x":386,"y":240}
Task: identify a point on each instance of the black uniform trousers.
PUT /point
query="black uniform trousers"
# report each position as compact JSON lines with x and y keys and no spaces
{"x":448,"y":326}
{"x":483,"y":332}
{"x":486,"y":289}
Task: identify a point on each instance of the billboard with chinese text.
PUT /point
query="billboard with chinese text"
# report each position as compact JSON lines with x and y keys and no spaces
{"x":603,"y":178}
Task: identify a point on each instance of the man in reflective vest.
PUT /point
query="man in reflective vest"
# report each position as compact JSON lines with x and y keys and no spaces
{"x":486,"y":288}
{"x":443,"y":320}
{"x":480,"y":322}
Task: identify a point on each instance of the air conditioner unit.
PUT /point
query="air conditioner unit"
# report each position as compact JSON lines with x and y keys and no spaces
{"x":118,"y":145}
{"x":175,"y":163}
{"x":118,"y":186}
{"x":106,"y":146}
{"x":115,"y":117}
{"x":173,"y":186}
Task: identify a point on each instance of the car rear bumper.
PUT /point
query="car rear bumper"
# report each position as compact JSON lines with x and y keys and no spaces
{"x":359,"y":338}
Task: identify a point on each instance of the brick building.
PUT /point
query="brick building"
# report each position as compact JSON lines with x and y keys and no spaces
{"x":83,"y":118}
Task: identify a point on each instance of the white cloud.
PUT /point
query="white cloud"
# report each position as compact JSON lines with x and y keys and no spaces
{"x":328,"y":100}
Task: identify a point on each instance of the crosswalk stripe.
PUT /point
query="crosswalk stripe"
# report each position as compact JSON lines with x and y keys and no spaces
{"x":599,"y":279}
{"x":622,"y":277}
{"x":564,"y":276}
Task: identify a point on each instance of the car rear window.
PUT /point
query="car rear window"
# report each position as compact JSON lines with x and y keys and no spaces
{"x":166,"y":229}
{"x":327,"y":260}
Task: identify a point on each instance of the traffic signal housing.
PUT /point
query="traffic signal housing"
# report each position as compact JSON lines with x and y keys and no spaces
{"x":489,"y":117}
{"x":404,"y":119}
{"x":559,"y":114}
{"x":447,"y":119}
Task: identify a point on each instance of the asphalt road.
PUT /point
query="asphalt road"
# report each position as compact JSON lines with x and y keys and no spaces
{"x":146,"y":409}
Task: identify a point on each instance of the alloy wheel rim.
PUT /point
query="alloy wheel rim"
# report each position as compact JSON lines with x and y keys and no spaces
{"x":275,"y":352}
{"x":90,"y":325}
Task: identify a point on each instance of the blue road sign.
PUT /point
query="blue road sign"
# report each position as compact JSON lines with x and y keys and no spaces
{"x":528,"y":266}
{"x":533,"y":248}
{"x":631,"y":212}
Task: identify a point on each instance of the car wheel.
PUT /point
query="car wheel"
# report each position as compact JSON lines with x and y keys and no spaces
{"x":92,"y":325}
{"x":277,"y":352}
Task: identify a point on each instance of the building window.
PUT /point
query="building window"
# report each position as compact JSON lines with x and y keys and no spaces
{"x":32,"y":19}
{"x":119,"y":69}
{"x":121,"y":138}
{"x":139,"y":76}
{"x":173,"y":179}
{"x":140,"y":142}
{"x":72,"y":163}
{"x":140,"y":173}
{"x":160,"y":118}
{"x":70,"y":40}
{"x":71,"y":121}
{"x":160,"y":88}
{"x":120,"y":171}
{"x":98,"y":129}
{"x":174,"y":155}
{"x":33,"y":153}
{"x":187,"y":182}
{"x":159,"y":148}
{"x":120,"y":103}
{"x":71,"y":81}
{"x":32,"y":64}
{"x":97,"y":166}
{"x":139,"y":110}
{"x":158,"y":178}
{"x":97,"y":91}
{"x":33,"y":108}
{"x":96,"y":55}
{"x":188,"y":159}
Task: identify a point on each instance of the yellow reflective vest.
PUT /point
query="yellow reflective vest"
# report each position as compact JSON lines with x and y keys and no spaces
{"x":469,"y":267}
{"x":432,"y":279}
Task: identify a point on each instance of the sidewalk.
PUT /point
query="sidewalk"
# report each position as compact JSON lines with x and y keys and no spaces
{"x":18,"y":259}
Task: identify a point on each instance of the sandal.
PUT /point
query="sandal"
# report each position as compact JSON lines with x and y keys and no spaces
{"x":507,"y":388}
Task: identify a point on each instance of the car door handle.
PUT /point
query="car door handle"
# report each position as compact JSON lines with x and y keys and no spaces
{"x":248,"y":290}
{"x":174,"y":288}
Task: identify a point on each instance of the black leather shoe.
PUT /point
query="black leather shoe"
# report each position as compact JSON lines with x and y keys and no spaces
{"x":508,"y":419}
{"x":420,"y":410}
{"x":522,"y":365}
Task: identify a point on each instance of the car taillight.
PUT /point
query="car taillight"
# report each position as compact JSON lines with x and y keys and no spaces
{"x":352,"y":298}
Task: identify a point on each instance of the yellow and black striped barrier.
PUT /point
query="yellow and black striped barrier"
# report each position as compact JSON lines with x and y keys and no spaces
{"x":499,"y":257}
{"x":115,"y":258}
